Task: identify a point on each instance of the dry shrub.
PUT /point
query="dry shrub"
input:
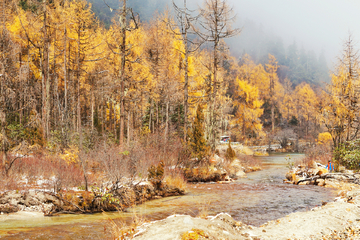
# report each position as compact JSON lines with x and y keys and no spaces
{"x":156,"y":174}
{"x":134,"y":160}
{"x":44,"y":167}
{"x":10,"y":183}
{"x":244,"y":151}
{"x":320,"y":154}
{"x":203,"y":174}
{"x":175,"y":179}
{"x":249,"y":161}
{"x":103,"y":162}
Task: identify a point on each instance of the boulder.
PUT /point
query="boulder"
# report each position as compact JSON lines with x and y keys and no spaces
{"x":8,"y":208}
{"x":320,"y":182}
{"x":240,"y":174}
{"x":215,"y":160}
{"x":305,"y":183}
{"x":236,"y":170}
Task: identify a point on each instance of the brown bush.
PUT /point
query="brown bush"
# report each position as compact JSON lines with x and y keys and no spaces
{"x":103,"y":162}
{"x":319,"y":153}
{"x":249,"y":161}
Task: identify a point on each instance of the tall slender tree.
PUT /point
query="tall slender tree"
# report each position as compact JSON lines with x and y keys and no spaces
{"x":217,"y":17}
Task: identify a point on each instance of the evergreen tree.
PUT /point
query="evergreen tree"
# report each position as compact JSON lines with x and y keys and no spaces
{"x":197,"y":141}
{"x":230,"y":153}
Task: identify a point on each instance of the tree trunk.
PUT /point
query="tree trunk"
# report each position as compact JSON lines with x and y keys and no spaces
{"x":128,"y":128}
{"x":92,"y":107}
{"x":186,"y":84}
{"x":122,"y":71}
{"x":45,"y":80}
{"x":78,"y":84}
{"x":272,"y":117}
{"x":65,"y":76}
{"x":115,"y":133}
{"x":167,"y":121}
{"x":150,"y":114}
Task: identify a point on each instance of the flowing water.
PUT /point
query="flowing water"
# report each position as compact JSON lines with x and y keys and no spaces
{"x":255,"y":200}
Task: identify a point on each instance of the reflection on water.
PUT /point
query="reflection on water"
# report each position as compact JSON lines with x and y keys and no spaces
{"x":255,"y":200}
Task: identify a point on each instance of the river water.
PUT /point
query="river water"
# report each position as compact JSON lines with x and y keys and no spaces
{"x":255,"y":200}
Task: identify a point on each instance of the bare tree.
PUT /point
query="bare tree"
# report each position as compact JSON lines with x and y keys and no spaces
{"x":185,"y":20}
{"x":217,"y":17}
{"x":284,"y":136}
{"x":127,"y":22}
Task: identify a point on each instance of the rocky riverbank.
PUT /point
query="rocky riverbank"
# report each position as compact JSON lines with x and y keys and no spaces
{"x":319,"y":175}
{"x":117,"y":197}
{"x":335,"y":220}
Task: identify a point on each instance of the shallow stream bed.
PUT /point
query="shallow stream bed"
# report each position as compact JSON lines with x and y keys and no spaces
{"x":255,"y":200}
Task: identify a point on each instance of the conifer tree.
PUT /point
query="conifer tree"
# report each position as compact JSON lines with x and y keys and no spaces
{"x":198,"y":143}
{"x":230,"y":153}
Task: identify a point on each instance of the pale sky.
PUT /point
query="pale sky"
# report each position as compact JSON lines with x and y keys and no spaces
{"x":314,"y":24}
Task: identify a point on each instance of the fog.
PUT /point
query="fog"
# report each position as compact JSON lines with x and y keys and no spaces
{"x":318,"y":25}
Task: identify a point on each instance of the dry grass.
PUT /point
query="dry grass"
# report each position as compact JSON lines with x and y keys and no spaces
{"x":204,"y":209}
{"x":305,"y":161}
{"x":244,"y":151}
{"x":175,"y":180}
{"x":261,"y":154}
{"x":122,"y":230}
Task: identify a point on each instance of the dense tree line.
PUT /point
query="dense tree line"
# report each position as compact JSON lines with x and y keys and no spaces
{"x":65,"y":78}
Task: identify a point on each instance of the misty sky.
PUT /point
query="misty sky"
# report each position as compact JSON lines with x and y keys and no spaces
{"x":314,"y":24}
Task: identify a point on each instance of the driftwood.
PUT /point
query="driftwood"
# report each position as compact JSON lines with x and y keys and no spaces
{"x":344,"y":177}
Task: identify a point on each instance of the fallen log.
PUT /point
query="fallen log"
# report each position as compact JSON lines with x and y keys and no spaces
{"x":345,"y":177}
{"x":308,"y":179}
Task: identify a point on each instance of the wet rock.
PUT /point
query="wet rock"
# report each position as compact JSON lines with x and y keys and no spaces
{"x":8,"y":208}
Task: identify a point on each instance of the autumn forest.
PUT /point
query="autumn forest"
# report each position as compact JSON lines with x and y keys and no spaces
{"x":78,"y":92}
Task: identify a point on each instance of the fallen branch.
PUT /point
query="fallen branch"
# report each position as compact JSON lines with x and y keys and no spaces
{"x":348,"y":177}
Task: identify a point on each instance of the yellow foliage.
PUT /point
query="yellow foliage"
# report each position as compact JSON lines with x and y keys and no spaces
{"x":71,"y":155}
{"x":324,"y":138}
{"x":248,"y":108}
{"x":306,"y":101}
{"x":194,"y":234}
{"x":246,"y":151}
{"x":145,"y":131}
